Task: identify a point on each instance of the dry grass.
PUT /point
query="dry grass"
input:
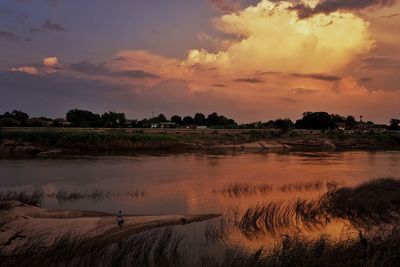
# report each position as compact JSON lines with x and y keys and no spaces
{"x":370,"y":204}
{"x":153,"y":248}
{"x":381,"y":248}
{"x":33,"y":198}
{"x":244,"y":189}
{"x":300,"y":187}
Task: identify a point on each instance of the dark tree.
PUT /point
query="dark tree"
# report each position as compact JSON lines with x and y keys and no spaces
{"x":199,"y":119}
{"x":15,"y":118}
{"x":176,"y":119}
{"x":113,"y":120}
{"x":338,"y":118}
{"x":394,"y":124}
{"x":145,"y":123}
{"x":187,"y":121}
{"x":19,"y":115}
{"x":351,"y":122}
{"x":83,"y":118}
{"x":284,"y":124}
{"x":316,"y":121}
{"x":212,"y":119}
{"x":160,"y":118}
{"x":9,"y":122}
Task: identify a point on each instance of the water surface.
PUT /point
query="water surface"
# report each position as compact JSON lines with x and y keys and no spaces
{"x":187,"y":183}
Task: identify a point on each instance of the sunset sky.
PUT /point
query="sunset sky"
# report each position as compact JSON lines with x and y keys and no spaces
{"x":247,"y":59}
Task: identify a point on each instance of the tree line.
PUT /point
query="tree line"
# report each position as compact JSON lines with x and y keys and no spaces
{"x":86,"y":118}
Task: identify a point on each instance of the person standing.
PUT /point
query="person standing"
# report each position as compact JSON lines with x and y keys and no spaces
{"x":120,"y":219}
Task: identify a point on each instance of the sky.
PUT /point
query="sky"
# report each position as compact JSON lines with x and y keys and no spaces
{"x":253,"y":60}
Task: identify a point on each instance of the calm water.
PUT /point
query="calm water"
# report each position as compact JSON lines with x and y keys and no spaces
{"x":184,"y":184}
{"x":188,"y":184}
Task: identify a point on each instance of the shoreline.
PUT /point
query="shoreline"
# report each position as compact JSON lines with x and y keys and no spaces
{"x":20,"y":222}
{"x":49,"y":143}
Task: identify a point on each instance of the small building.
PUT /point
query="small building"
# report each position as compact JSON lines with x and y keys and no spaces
{"x":130,"y":123}
{"x":36,"y":122}
{"x":191,"y":126}
{"x":60,"y":122}
{"x":341,"y":126}
{"x":379,"y":128}
{"x":164,"y":125}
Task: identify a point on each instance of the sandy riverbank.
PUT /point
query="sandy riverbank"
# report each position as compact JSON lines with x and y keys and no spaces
{"x":23,"y":222}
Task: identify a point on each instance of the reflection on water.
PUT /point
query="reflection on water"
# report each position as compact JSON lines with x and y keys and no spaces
{"x":189,"y":184}
{"x":181,"y":184}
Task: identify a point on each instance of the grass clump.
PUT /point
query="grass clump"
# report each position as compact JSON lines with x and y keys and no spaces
{"x":153,"y":248}
{"x":244,"y":189}
{"x":369,"y":204}
{"x":33,"y":198}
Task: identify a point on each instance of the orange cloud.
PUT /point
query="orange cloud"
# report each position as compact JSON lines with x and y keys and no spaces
{"x":51,"y":62}
{"x":29,"y":70}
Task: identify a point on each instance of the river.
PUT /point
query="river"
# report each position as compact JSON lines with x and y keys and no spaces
{"x":187,"y":183}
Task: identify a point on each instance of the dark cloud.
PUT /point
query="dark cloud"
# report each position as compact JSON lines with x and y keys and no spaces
{"x":219,"y":85}
{"x":10,"y":36}
{"x":226,"y":5}
{"x":316,"y":76}
{"x":377,"y":63}
{"x":49,"y":26}
{"x":391,"y":16}
{"x":53,"y":95}
{"x":379,"y":73}
{"x":329,"y":6}
{"x":121,"y":58}
{"x":89,"y":68}
{"x":136,"y":74}
{"x":249,"y":80}
{"x":304,"y":91}
{"x":287,"y":99}
{"x":365,"y":79}
{"x":268,"y":73}
{"x":102,"y":70}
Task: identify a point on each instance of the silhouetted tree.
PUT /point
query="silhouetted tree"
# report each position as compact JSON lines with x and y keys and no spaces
{"x":19,"y":115}
{"x":316,"y":120}
{"x":338,"y":118}
{"x":145,"y":123}
{"x":212,"y":119}
{"x":187,"y":120}
{"x":176,"y":119}
{"x":83,"y":118}
{"x":284,"y":124}
{"x":394,"y":124}
{"x":200,"y":119}
{"x":160,"y":118}
{"x":350,"y":122}
{"x":9,"y":122}
{"x":113,"y":120}
{"x":14,"y":118}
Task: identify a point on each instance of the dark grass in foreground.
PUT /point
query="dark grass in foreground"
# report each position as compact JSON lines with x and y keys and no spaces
{"x":367,"y":205}
{"x":152,"y":248}
{"x":381,"y":248}
{"x":164,"y":247}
